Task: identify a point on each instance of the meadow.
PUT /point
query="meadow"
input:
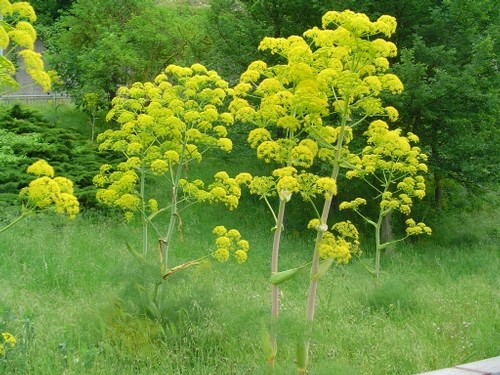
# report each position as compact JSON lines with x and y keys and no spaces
{"x":78,"y":302}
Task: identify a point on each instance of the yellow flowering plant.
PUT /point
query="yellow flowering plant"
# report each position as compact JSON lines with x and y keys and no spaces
{"x":17,"y":35}
{"x":7,"y":342}
{"x":164,"y":126}
{"x":304,"y":110}
{"x":394,"y":168}
{"x":46,"y":192}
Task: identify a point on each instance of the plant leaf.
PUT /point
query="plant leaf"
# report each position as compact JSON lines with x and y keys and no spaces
{"x":324,"y":266}
{"x":280,"y":277}
{"x":134,"y":252}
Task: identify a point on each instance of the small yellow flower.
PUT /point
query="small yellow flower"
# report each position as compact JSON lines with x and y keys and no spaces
{"x":234,"y":234}
{"x":223,"y":242}
{"x":220,"y":230}
{"x":41,"y":168}
{"x":159,"y":167}
{"x":225,"y":144}
{"x":221,"y":254}
{"x":243,"y":245}
{"x":153,"y":205}
{"x":241,"y":256}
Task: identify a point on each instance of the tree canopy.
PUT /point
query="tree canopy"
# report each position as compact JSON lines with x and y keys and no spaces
{"x":447,"y":60}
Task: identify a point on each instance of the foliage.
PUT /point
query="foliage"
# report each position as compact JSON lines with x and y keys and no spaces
{"x":68,"y":151}
{"x":452,"y":101}
{"x":128,"y":41}
{"x":93,"y":104}
{"x":49,"y":10}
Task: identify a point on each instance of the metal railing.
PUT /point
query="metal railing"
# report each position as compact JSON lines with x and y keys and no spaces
{"x":35,"y":98}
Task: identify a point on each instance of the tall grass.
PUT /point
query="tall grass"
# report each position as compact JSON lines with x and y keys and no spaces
{"x":79,"y":303}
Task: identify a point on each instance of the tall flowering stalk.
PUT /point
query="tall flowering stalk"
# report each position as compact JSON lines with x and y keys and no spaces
{"x":393,"y":168}
{"x":164,"y":126}
{"x":304,"y":110}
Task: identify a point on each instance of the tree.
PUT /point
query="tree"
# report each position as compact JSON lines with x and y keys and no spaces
{"x":117,"y":43}
{"x":452,"y":96}
{"x":49,"y":10}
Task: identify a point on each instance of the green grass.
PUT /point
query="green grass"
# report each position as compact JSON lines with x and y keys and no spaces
{"x":79,"y":303}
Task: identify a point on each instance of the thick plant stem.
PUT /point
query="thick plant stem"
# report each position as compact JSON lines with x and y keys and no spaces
{"x":145,"y":223}
{"x":170,"y":230}
{"x":174,"y":214}
{"x":313,"y":284}
{"x":274,"y":268}
{"x":378,"y":251}
{"x":17,"y":220}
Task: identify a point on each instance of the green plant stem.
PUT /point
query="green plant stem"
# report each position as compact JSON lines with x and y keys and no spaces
{"x":145,"y":223}
{"x":274,"y":268}
{"x":378,"y":227}
{"x":378,"y":249}
{"x":174,"y":214}
{"x":313,"y":284}
{"x":17,"y":220}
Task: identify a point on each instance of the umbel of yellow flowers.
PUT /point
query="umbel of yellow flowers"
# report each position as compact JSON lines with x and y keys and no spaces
{"x":164,"y":125}
{"x":49,"y":191}
{"x":329,"y":81}
{"x":17,"y":32}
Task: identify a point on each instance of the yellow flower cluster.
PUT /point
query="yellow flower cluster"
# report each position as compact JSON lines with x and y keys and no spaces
{"x":392,"y":158}
{"x":334,"y":247}
{"x":412,"y":228}
{"x":341,"y":247}
{"x":353,"y":205}
{"x":47,"y":190}
{"x":223,"y":189}
{"x":230,"y":242}
{"x":340,"y":68}
{"x":118,"y":187}
{"x":286,"y":181}
{"x":359,"y":24}
{"x":18,"y":30}
{"x":172,"y":120}
{"x":8,"y":340}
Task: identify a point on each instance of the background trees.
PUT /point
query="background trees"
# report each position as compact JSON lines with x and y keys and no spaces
{"x":447,"y":60}
{"x":98,"y":46}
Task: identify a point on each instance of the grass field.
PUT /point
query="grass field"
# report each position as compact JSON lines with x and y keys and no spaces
{"x":79,"y":303}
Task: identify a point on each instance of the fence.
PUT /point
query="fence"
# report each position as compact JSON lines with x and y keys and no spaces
{"x":36,"y":98}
